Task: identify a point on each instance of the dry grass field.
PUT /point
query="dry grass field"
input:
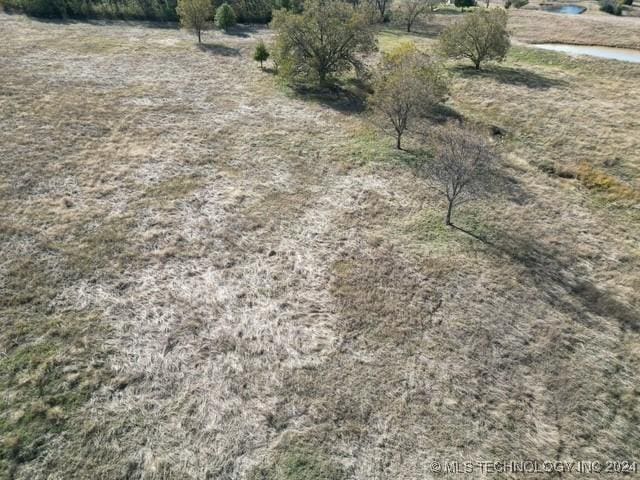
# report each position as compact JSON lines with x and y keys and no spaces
{"x":591,"y":28}
{"x":206,"y":276}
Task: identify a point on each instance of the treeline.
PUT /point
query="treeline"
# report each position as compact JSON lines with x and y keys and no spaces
{"x":247,"y":11}
{"x":162,"y":10}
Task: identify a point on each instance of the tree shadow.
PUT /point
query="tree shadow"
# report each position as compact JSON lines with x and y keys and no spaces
{"x":554,"y":273}
{"x":336,"y":96}
{"x":448,"y":11}
{"x":419,"y":29}
{"x":431,"y":30}
{"x":442,"y":113}
{"x":481,"y":238}
{"x":168,"y":25}
{"x":512,"y":76}
{"x":242,"y":30}
{"x":49,"y":20}
{"x":219,"y":49}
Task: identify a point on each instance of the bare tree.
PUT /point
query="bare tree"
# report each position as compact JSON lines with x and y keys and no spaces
{"x":410,"y":10}
{"x":462,"y":169}
{"x":382,"y":7}
{"x":407,"y":84}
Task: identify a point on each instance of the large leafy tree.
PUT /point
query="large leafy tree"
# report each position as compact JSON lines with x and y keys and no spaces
{"x":482,"y":35}
{"x":195,"y":15}
{"x":327,"y":39}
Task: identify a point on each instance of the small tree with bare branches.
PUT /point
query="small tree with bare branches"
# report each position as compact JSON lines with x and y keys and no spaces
{"x":382,"y":7}
{"x":409,"y":11}
{"x":462,"y":169}
{"x":407,"y":85}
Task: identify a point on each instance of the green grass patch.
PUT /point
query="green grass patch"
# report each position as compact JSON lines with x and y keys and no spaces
{"x":429,"y":229}
{"x":108,"y":245}
{"x":48,"y":370}
{"x":391,"y":38}
{"x":28,"y":281}
{"x":540,"y":57}
{"x":299,"y":459}
{"x":371,"y":145}
{"x":174,"y":188}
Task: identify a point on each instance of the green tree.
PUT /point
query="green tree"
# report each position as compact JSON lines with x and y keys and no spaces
{"x":225,"y":17}
{"x":195,"y":15}
{"x":291,"y":5}
{"x":482,"y":35}
{"x":407,"y":85}
{"x":325,"y":40}
{"x":261,"y":53}
{"x":253,"y":11}
{"x":611,"y":6}
{"x":462,"y":4}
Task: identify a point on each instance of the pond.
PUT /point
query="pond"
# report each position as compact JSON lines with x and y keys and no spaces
{"x":623,"y":54}
{"x":564,"y":9}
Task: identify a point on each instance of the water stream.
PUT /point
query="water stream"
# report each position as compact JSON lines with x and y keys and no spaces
{"x":624,"y":54}
{"x":564,"y":9}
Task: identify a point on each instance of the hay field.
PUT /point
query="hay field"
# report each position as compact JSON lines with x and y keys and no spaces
{"x":205,"y":276}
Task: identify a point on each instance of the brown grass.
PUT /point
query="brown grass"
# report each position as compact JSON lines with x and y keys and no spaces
{"x":203,"y":276}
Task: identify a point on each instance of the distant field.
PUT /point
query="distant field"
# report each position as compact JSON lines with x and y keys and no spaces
{"x":590,"y":28}
{"x":205,"y":275}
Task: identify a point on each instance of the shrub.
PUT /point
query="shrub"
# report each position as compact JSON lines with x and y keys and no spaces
{"x":481,"y":35}
{"x":611,"y":6}
{"x":326,"y":39}
{"x":261,"y":53}
{"x":515,"y":3}
{"x":225,"y":17}
{"x":627,"y":2}
{"x":289,"y":5}
{"x":462,"y":4}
